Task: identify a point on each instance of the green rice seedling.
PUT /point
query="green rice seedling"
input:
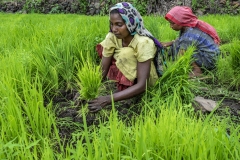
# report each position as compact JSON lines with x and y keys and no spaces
{"x":45,"y":65}
{"x":228,"y":66}
{"x":225,"y":26}
{"x":236,"y":81}
{"x":40,"y":56}
{"x":24,"y":119}
{"x":89,"y":78}
{"x":54,"y":41}
{"x":152,"y":24}
{"x":235,"y":54}
{"x":89,"y":81}
{"x":174,"y":86}
{"x":172,"y":134}
{"x":160,"y":28}
{"x":224,"y":72}
{"x":83,"y":111}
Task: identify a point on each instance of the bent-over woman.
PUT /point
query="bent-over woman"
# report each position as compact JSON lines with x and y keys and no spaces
{"x":193,"y":32}
{"x":127,"y":55}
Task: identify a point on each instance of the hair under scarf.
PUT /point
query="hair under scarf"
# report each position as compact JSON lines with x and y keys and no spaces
{"x":183,"y":16}
{"x":134,"y":23}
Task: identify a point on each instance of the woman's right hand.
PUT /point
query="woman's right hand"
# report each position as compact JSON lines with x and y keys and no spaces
{"x":97,"y":104}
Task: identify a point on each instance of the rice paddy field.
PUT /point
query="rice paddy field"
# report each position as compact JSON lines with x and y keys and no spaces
{"x":45,"y":60}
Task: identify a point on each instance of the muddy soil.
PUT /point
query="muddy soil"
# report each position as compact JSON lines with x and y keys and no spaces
{"x":69,"y":113}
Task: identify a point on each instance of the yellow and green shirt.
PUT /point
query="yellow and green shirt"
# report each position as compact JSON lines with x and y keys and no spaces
{"x":140,"y":49}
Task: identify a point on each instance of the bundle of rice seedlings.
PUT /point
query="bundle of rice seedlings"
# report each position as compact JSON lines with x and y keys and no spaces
{"x":174,"y":87}
{"x":228,"y":66}
{"x":224,"y":72}
{"x":89,"y":78}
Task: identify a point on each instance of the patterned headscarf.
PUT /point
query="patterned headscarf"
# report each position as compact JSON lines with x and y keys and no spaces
{"x":183,"y":16}
{"x":134,"y":23}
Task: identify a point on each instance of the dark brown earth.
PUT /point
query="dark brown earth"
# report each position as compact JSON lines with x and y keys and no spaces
{"x":69,"y":119}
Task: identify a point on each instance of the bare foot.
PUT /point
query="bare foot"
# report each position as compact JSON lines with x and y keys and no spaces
{"x":194,"y":74}
{"x":196,"y":71}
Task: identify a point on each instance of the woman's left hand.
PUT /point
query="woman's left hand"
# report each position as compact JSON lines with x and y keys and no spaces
{"x":97,"y":104}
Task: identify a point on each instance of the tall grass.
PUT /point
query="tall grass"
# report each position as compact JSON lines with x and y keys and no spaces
{"x":89,"y":78}
{"x":174,"y":86}
{"x":39,"y":55}
{"x":25,"y":121}
{"x":53,"y":43}
{"x":225,"y":26}
{"x":228,"y":65}
{"x":170,"y":135}
{"x":160,"y":28}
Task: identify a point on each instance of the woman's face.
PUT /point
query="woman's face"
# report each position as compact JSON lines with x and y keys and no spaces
{"x":174,"y":26}
{"x":118,"y":26}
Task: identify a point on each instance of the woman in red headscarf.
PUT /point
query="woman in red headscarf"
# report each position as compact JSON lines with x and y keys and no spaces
{"x":193,"y":32}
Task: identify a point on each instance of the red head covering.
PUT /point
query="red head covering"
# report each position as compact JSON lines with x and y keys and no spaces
{"x":184,"y":16}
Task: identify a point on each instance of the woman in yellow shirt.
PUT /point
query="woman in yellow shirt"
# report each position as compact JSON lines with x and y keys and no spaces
{"x":127,"y":55}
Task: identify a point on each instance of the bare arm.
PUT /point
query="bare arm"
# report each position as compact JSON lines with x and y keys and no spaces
{"x":105,"y":64}
{"x":143,"y":73}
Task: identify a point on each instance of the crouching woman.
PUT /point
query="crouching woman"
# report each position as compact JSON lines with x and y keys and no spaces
{"x":127,"y":55}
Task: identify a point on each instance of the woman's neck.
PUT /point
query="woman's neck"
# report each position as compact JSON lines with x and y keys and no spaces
{"x":183,"y":30}
{"x":126,"y":41}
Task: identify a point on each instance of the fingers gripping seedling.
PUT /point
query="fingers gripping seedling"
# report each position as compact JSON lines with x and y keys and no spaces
{"x":89,"y":79}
